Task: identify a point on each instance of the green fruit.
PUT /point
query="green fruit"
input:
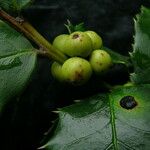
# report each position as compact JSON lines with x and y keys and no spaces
{"x":59,"y":42}
{"x":76,"y":70}
{"x":76,"y":44}
{"x":128,"y":84}
{"x":96,"y":39}
{"x":56,"y":70}
{"x":100,"y":61}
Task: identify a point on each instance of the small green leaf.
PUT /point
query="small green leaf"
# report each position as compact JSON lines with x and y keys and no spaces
{"x":118,"y":121}
{"x":14,"y":5}
{"x":17,"y":62}
{"x":141,"y":46}
{"x":79,"y":27}
{"x":72,"y":28}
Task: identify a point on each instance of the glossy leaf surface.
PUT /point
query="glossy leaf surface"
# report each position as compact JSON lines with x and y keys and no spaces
{"x":102,"y":123}
{"x":17,"y":62}
{"x":15,"y":5}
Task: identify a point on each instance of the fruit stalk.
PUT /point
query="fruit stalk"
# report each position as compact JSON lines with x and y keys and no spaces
{"x":31,"y":33}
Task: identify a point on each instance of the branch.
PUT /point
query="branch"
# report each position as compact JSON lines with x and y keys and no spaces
{"x":31,"y":33}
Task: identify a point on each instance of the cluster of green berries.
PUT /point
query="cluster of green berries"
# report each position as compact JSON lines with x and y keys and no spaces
{"x":85,"y":56}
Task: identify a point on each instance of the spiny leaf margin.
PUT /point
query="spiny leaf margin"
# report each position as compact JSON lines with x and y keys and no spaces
{"x":101,"y":123}
{"x":141,"y":48}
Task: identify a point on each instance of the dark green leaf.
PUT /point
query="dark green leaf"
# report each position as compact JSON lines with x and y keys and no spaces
{"x":14,"y":5}
{"x":17,"y":61}
{"x":141,"y":53}
{"x":119,"y":121}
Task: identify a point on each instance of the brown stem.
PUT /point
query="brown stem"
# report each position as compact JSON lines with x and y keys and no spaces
{"x":31,"y":33}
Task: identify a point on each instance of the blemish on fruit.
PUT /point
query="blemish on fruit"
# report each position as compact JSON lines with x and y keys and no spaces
{"x":102,"y":54}
{"x":78,"y":75}
{"x":75,"y":36}
{"x":77,"y":78}
{"x":128,"y":102}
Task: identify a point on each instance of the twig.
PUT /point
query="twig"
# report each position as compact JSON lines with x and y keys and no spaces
{"x":31,"y":33}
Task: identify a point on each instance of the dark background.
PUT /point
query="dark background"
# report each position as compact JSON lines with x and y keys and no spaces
{"x":24,"y":123}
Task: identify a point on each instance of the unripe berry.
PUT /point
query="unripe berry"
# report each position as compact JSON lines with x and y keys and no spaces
{"x":100,"y":61}
{"x":96,"y":39}
{"x":59,"y":42}
{"x":56,"y":70}
{"x":76,"y":71}
{"x":76,"y":44}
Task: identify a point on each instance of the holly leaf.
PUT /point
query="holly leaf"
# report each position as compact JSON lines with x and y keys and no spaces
{"x":17,"y":62}
{"x":141,"y":46}
{"x":14,"y":5}
{"x":118,"y":121}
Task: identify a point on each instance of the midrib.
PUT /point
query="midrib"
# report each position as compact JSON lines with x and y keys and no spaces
{"x":113,"y":125}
